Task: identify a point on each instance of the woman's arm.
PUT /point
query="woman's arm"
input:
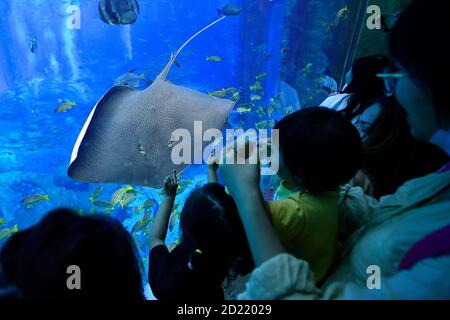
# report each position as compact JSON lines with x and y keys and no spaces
{"x":242,"y":182}
{"x":159,"y":228}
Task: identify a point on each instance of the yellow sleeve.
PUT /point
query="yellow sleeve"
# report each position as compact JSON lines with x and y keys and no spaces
{"x":287,"y":217}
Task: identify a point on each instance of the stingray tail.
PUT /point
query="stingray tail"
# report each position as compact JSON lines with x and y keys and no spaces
{"x":166,"y":70}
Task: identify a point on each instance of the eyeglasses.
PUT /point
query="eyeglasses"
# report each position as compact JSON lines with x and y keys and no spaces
{"x":391,"y":78}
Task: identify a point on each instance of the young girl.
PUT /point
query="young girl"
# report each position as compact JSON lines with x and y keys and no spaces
{"x":213,"y":243}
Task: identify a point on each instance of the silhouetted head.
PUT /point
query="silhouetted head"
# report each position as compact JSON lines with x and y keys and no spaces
{"x":418,"y":44}
{"x":364,"y":85}
{"x":212,"y":229}
{"x":37,"y":260}
{"x":319,"y":149}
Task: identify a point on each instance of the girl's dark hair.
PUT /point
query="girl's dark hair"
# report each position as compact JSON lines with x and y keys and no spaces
{"x":418,"y":43}
{"x":35,"y":260}
{"x":365,"y":87}
{"x":210,"y":223}
{"x":320,"y":148}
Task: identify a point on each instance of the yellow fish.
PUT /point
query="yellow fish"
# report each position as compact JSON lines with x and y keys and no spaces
{"x":96,"y":194}
{"x":243,"y":109}
{"x":65,"y":106}
{"x":219,"y":93}
{"x":262,"y":76}
{"x":119,"y":194}
{"x":256,"y":87}
{"x":2,"y":221}
{"x":31,"y":200}
{"x":127,"y":199}
{"x":342,"y":14}
{"x":307,"y":69}
{"x":214,"y":59}
{"x":142,"y":223}
{"x":256,"y":98}
{"x":6,"y":233}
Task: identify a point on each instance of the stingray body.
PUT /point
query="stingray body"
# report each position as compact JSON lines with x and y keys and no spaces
{"x":127,"y":137}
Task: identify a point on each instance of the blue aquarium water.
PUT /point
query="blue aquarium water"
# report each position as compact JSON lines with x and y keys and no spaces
{"x":57,"y":59}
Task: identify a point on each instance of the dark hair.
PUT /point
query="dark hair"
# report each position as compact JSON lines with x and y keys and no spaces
{"x":36,"y":260}
{"x":365,"y":87}
{"x":391,"y":151}
{"x":210,"y":223}
{"x":320,"y":148}
{"x":418,"y":44}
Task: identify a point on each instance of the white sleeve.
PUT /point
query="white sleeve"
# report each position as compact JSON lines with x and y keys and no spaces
{"x":285,"y":277}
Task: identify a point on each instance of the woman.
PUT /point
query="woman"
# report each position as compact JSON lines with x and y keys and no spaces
{"x":389,"y":148}
{"x":401,"y":245}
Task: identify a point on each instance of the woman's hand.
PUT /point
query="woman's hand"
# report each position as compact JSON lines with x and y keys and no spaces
{"x":170,"y":185}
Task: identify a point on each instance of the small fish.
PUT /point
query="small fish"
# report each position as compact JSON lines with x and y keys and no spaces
{"x":65,"y":106}
{"x":182,"y":185}
{"x":342,"y":14}
{"x":177,"y":63}
{"x":230,"y":10}
{"x":6,"y":233}
{"x":214,"y":59}
{"x":2,"y":221}
{"x":265,"y":124}
{"x":256,"y":87}
{"x":255,"y":98}
{"x":236,"y":96}
{"x":243,"y":109}
{"x":219,"y":93}
{"x":147,"y":204}
{"x":96,"y":194}
{"x":133,"y":80}
{"x":102,"y":204}
{"x":33,"y":45}
{"x":31,"y":200}
{"x":261,"y":76}
{"x":119,"y":194}
{"x":127,"y":199}
{"x":289,"y":110}
{"x":307,"y":69}
{"x":141,"y":224}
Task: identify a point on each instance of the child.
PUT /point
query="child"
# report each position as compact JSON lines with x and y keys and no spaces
{"x":319,"y":152}
{"x":34,"y":263}
{"x":213,"y":243}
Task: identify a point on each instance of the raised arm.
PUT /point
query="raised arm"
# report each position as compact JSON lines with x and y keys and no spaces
{"x":159,"y":229}
{"x":242,"y":182}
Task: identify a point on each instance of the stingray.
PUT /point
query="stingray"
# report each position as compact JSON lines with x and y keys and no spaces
{"x":127,"y":136}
